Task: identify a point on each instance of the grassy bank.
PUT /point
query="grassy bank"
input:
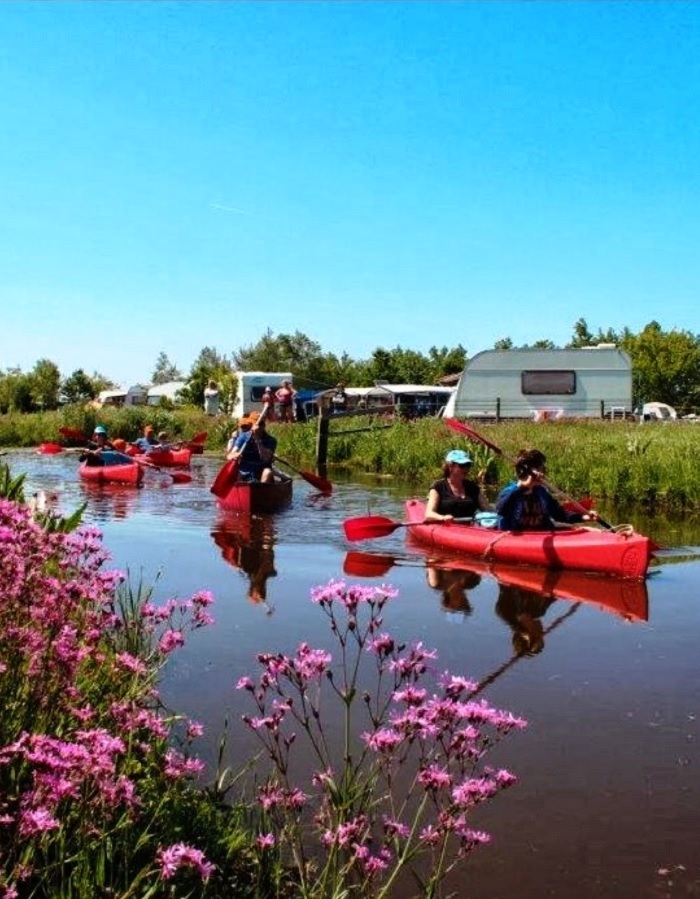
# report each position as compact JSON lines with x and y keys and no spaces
{"x":624,"y":464}
{"x":655,"y":465}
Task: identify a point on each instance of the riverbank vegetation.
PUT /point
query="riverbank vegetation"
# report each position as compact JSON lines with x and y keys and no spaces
{"x":100,"y":790}
{"x":655,"y":465}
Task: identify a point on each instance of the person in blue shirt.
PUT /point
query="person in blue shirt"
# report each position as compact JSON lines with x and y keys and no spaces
{"x":147,"y":441}
{"x":527,"y":505}
{"x":255,"y":450}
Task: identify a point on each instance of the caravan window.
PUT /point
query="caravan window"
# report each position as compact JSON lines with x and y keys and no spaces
{"x":552,"y":383}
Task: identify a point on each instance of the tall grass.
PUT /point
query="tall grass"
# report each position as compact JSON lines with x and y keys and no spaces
{"x":656,"y":466}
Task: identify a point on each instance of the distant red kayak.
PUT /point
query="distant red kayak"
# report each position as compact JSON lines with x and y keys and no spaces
{"x":625,"y":555}
{"x":170,"y":458}
{"x":49,"y":449}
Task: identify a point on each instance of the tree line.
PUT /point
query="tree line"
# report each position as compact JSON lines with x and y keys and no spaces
{"x":665,"y":365}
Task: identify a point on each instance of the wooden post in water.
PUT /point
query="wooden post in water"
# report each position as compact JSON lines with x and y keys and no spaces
{"x":322,"y":444}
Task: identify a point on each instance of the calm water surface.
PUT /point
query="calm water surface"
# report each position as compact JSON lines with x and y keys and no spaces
{"x":608,"y":801}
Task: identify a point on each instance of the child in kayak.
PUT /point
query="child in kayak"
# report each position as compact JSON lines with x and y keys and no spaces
{"x":527,"y":505}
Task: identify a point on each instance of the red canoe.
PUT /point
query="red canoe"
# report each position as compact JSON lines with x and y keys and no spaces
{"x":113,"y":470}
{"x":252,"y":496}
{"x":625,"y":555}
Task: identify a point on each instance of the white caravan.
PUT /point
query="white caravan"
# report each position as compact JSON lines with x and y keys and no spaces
{"x":591,"y":382}
{"x":250,"y":386}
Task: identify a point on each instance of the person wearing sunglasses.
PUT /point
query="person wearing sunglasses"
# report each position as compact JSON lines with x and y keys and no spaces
{"x":527,"y":505}
{"x":455,"y":494}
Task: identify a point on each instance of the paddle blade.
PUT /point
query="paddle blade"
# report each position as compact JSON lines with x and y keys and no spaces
{"x":180,"y":477}
{"x":369,"y":526}
{"x":459,"y":427}
{"x":317,"y":481}
{"x":71,"y":433}
{"x":225,"y":479}
{"x":200,"y":437}
{"x":359,"y":564}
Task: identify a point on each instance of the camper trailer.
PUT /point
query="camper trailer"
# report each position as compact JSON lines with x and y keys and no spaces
{"x":590,"y":382}
{"x":134,"y":396}
{"x":250,"y":386}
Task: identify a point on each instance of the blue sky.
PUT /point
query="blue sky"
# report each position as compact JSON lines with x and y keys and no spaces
{"x":182,"y":175}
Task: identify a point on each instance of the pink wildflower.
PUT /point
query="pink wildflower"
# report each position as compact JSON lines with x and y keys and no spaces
{"x":180,"y":855}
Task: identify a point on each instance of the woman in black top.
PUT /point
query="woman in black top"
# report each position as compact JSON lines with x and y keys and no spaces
{"x":455,"y":495}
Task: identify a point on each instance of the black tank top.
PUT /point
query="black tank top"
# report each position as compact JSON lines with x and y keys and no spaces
{"x":449,"y":504}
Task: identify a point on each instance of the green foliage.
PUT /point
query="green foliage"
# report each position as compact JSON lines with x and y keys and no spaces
{"x":11,"y":488}
{"x":79,"y":388}
{"x":165,"y":370}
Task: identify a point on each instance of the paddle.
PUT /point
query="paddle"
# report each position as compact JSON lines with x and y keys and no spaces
{"x":71,"y":433}
{"x":460,"y":427}
{"x":368,"y":526}
{"x":199,"y":437}
{"x":315,"y":480}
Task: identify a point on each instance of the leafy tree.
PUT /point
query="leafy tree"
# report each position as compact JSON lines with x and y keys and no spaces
{"x":45,"y":380}
{"x":165,"y":371}
{"x":665,"y":365}
{"x":79,"y":388}
{"x":446,"y":361}
{"x":210,"y":365}
{"x":15,"y":392}
{"x":505,"y":343}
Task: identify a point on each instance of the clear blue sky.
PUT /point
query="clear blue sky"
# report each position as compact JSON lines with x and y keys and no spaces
{"x":182,"y":175}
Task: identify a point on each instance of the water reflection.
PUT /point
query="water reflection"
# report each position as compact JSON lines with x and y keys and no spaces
{"x":108,"y":501}
{"x":247,"y":544}
{"x":453,"y":584}
{"x":525,"y":594}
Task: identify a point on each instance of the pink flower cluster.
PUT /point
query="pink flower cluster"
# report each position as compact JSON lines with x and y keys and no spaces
{"x":439,"y":736}
{"x":81,"y":719}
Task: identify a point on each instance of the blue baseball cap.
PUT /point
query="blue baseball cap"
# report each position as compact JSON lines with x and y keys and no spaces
{"x":458,"y":457}
{"x":100,"y":429}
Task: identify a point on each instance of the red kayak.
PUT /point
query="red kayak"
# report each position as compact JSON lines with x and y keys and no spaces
{"x":111,"y":468}
{"x":252,"y":496}
{"x":621,"y":554}
{"x":169,"y":458}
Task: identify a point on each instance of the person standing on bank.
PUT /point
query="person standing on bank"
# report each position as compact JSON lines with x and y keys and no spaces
{"x":527,"y":505}
{"x":285,"y":396}
{"x":268,"y":402}
{"x":455,"y":494}
{"x":255,"y":450}
{"x":211,"y":398}
{"x":339,"y":399}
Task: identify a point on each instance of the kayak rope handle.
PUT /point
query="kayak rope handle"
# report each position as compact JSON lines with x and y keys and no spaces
{"x":624,"y":530}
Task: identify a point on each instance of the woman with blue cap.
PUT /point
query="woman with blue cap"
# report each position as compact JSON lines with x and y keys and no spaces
{"x":455,"y":494}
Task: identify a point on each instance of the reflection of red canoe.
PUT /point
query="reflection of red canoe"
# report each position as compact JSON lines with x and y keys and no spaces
{"x":575,"y":549}
{"x":622,"y":596}
{"x":252,"y":496}
{"x":112,"y":470}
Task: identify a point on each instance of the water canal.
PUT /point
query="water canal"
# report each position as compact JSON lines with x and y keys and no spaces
{"x":608,"y":799}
